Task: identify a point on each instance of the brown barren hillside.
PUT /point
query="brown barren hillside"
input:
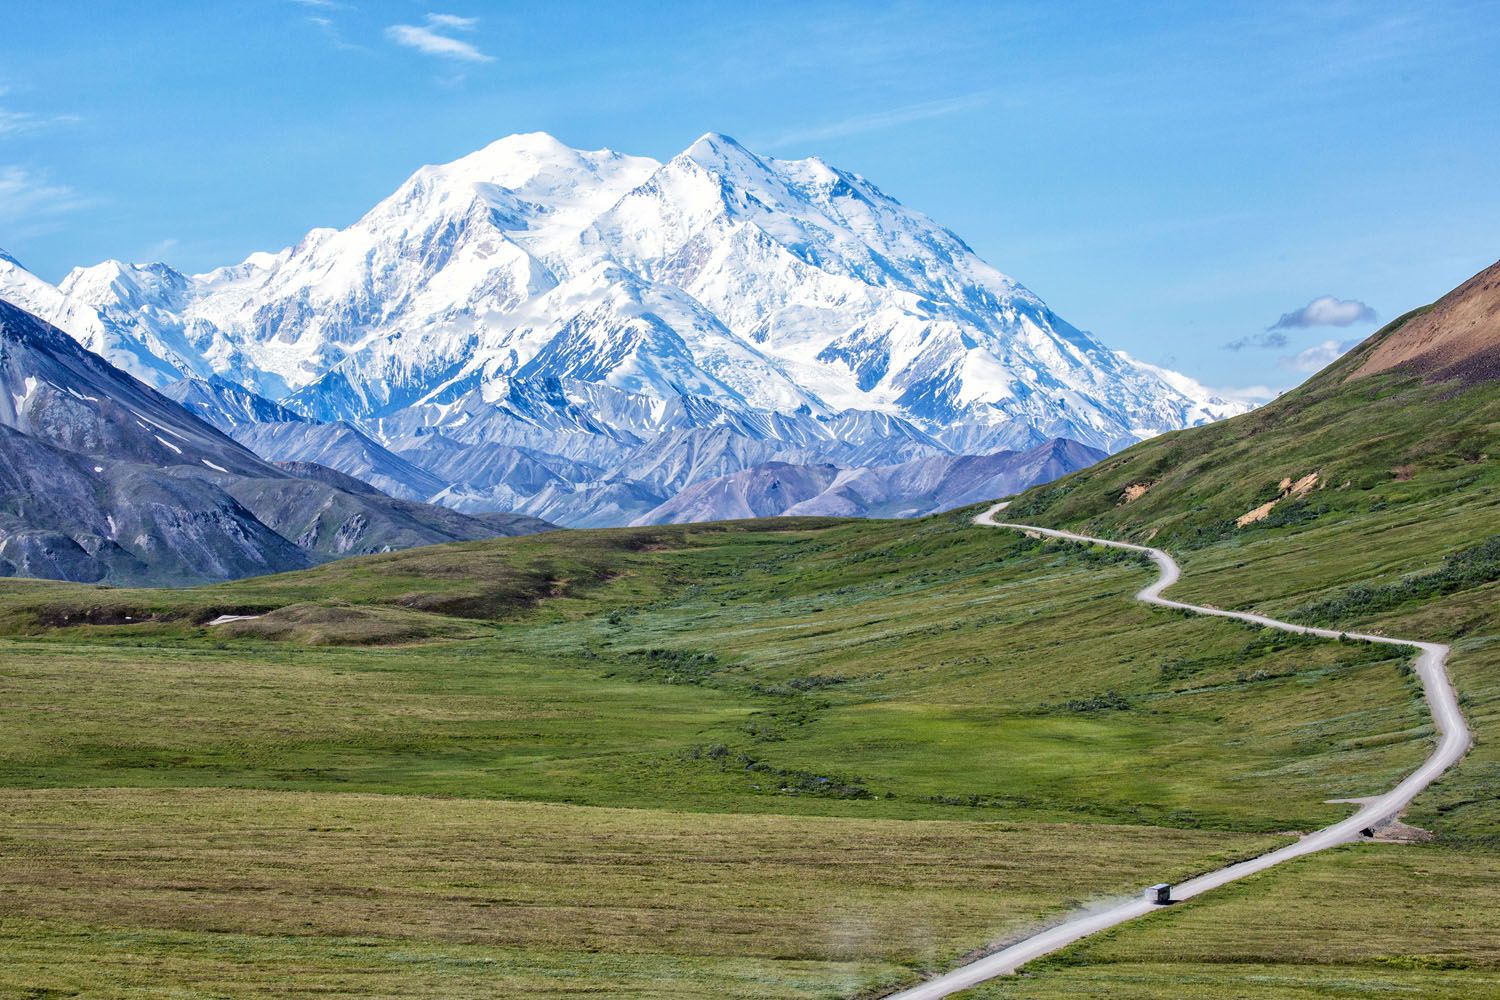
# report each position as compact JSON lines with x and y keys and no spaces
{"x":1458,"y":337}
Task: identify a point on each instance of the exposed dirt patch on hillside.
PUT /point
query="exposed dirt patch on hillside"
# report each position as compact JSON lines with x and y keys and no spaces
{"x":65,"y":615}
{"x":1289,"y":491}
{"x":1458,"y":338}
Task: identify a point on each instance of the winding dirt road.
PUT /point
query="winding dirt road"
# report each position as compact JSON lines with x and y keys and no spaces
{"x":1453,"y":743}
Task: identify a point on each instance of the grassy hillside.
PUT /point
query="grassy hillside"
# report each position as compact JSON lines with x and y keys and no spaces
{"x":1362,"y":921}
{"x":275,"y":893}
{"x":1401,"y":531}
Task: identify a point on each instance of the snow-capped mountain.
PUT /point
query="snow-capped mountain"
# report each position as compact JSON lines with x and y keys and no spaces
{"x":666,"y":322}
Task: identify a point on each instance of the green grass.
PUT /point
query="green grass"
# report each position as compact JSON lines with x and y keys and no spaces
{"x":712,"y":904}
{"x":53,"y":960}
{"x":1381,"y":446}
{"x":1406,"y":549}
{"x":805,"y":689}
{"x":846,"y":665}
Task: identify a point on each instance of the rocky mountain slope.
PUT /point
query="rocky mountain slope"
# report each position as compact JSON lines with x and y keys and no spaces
{"x":103,"y":478}
{"x":659,"y":323}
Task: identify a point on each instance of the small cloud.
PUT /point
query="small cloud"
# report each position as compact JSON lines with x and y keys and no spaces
{"x":1325,"y":310}
{"x":1264,"y":340}
{"x":1317,"y":357}
{"x":320,"y":15}
{"x":430,"y":40}
{"x":452,"y":21}
{"x":26,"y":197}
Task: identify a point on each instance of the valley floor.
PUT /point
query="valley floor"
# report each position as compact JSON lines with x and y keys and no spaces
{"x":771,"y":759}
{"x":282,"y":893}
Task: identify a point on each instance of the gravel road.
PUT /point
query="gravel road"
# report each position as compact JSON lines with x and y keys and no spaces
{"x":1453,"y":743}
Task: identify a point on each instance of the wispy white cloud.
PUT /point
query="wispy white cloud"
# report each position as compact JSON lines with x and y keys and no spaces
{"x":26,"y":197}
{"x":1325,"y":310}
{"x":888,"y":118}
{"x":452,"y":21}
{"x":429,"y":39}
{"x":331,"y":31}
{"x":321,"y":13}
{"x":18,"y":122}
{"x":1317,"y":357}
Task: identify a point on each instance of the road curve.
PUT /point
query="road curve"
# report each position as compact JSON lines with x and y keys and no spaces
{"x":1454,"y":739}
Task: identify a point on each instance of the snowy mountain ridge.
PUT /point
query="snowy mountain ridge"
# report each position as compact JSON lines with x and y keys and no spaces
{"x":584,"y":304}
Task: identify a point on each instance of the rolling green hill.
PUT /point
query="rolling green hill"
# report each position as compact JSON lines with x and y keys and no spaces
{"x":788,"y":758}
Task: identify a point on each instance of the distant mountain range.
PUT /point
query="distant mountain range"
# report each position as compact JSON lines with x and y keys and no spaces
{"x":582,"y":336}
{"x":909,"y":489}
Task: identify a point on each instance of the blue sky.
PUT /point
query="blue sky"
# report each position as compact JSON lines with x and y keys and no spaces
{"x":1234,"y":190}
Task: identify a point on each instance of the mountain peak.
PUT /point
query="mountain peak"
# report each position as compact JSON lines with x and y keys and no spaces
{"x":524,"y":175}
{"x":716,"y":139}
{"x":530,"y":142}
{"x":717,"y":150}
{"x":514,"y":160}
{"x":116,"y":282}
